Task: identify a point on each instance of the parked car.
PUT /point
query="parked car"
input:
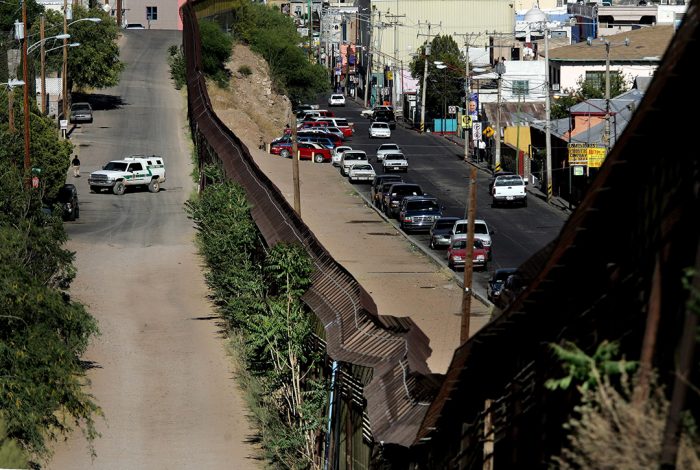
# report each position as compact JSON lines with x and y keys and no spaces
{"x":377,"y":182}
{"x":351,"y":157}
{"x":395,"y":194}
{"x":337,"y":154}
{"x":320,"y":139}
{"x":440,"y":232}
{"x":379,"y":129}
{"x":66,"y":203}
{"x":418,"y":213}
{"x":456,"y":254}
{"x":367,"y":113}
{"x":348,"y":128}
{"x":496,"y":283}
{"x":387,"y":148}
{"x":514,"y":285}
{"x":307,"y":151}
{"x":481,"y":231}
{"x":336,"y":100}
{"x":385,"y":116}
{"x":361,"y":172}
{"x":80,"y":112}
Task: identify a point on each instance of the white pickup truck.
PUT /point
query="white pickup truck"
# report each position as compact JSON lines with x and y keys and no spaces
{"x":137,"y":170}
{"x":509,"y":189}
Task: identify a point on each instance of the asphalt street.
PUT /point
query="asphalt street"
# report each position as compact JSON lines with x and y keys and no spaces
{"x":437,"y":164}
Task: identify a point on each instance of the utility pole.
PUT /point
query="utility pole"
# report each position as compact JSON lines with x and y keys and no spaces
{"x":425,"y":75}
{"x":25,"y":75}
{"x":468,"y":259}
{"x":394,"y":22}
{"x":11,"y":110}
{"x":547,"y":115}
{"x":64,"y":72}
{"x":43,"y":65}
{"x":368,"y":66}
{"x":500,"y":69}
{"x":119,"y":13}
{"x":295,"y":166}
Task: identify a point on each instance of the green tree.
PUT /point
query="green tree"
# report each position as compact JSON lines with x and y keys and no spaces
{"x":274,"y":36}
{"x":43,"y":332}
{"x":445,"y":86}
{"x":95,"y":63}
{"x":9,"y":13}
{"x":216,"y":50}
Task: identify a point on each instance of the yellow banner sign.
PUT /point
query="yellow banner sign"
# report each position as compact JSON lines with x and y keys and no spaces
{"x":596,"y":156}
{"x":582,"y":154}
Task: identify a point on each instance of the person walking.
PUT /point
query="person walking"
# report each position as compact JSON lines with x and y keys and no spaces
{"x":76,"y":166}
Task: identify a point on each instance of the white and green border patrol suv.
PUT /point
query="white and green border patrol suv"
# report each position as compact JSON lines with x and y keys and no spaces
{"x":137,"y":170}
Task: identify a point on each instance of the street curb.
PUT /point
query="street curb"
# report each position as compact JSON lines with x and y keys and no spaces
{"x":459,"y":279}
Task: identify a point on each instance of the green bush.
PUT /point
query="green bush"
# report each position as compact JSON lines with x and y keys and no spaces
{"x":258,"y":292}
{"x":176,"y":60}
{"x":274,"y":36}
{"x":245,"y":70}
{"x":216,"y":50}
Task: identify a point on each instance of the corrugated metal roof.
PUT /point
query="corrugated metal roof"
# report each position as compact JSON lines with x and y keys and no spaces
{"x":645,"y":44}
{"x":645,"y":208}
{"x":513,"y":114}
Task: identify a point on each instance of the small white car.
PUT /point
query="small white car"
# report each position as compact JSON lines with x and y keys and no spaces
{"x":394,"y":162}
{"x":361,"y":172}
{"x":336,"y":100}
{"x":379,"y":129}
{"x":387,"y":148}
{"x":337,"y":154}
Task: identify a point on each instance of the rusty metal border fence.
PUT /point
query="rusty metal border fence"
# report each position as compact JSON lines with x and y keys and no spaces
{"x":395,"y":349}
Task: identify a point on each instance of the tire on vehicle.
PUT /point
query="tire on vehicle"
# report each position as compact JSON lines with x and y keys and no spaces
{"x":154,"y":186}
{"x":95,"y":189}
{"x":284,"y":153}
{"x":318,"y":158}
{"x":119,"y":188}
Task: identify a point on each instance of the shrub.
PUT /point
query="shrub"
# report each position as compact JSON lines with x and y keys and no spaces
{"x":245,"y":70}
{"x":216,"y":50}
{"x":176,"y":60}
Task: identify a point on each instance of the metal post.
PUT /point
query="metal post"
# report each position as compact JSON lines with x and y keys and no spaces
{"x":311,"y":31}
{"x":43,"y":66}
{"x":11,"y":110}
{"x":468,"y":259}
{"x":425,"y":84}
{"x":500,"y":69}
{"x":547,"y":116}
{"x":295,"y":166}
{"x":368,"y":65}
{"x":606,"y":136}
{"x":64,"y":72}
{"x":25,"y":75}
{"x":467,"y":94}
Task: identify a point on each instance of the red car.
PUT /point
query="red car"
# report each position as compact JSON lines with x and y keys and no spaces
{"x":456,"y":253}
{"x":307,"y":151}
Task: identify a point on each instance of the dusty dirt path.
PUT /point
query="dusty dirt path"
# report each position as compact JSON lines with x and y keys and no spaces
{"x":161,"y":373}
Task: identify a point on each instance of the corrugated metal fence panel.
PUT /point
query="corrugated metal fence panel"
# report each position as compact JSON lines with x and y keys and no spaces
{"x":355,"y":333}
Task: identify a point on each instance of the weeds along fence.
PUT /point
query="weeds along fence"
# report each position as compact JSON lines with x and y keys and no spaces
{"x":391,"y":351}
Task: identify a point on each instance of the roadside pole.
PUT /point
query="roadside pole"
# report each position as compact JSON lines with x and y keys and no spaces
{"x":468,"y":259}
{"x":295,"y":166}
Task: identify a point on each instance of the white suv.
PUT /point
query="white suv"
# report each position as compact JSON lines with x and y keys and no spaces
{"x":481,"y":232}
{"x":379,"y":129}
{"x":336,"y":100}
{"x":349,"y":158}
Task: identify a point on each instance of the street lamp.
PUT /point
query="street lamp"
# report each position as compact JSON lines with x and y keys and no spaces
{"x":607,"y":44}
{"x":441,"y":66}
{"x":500,"y":69}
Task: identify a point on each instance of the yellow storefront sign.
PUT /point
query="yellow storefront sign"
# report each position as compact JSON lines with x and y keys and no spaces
{"x":583,"y":154}
{"x":596,"y":156}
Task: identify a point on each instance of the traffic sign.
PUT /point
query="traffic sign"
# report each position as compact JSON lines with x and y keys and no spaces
{"x":489,"y":132}
{"x":467,"y":122}
{"x":452,"y":109}
{"x":476,"y":131}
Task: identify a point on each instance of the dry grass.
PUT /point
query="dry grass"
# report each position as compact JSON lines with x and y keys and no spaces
{"x":249,"y":106}
{"x":612,"y":433}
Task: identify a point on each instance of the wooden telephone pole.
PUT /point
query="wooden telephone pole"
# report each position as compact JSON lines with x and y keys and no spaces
{"x":468,"y":259}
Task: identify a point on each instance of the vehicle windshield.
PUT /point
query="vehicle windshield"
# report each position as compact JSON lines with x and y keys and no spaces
{"x":381,"y":125}
{"x":506,"y":181}
{"x":116,"y":166}
{"x":444,"y":223}
{"x":337,"y":97}
{"x":479,"y":227}
{"x":502,"y":275}
{"x":394,"y":156}
{"x":362,"y":167}
{"x":354,"y":156}
{"x":65,"y":195}
{"x":406,"y":191}
{"x":389,"y":147}
{"x":422,"y":206}
{"x":81,"y":107}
